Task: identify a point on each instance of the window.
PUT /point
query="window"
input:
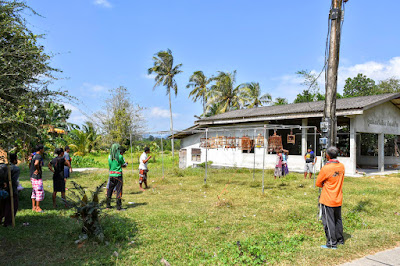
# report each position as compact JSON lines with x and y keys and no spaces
{"x":196,"y":155}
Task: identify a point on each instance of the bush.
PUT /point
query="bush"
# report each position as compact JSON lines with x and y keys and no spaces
{"x":79,"y":161}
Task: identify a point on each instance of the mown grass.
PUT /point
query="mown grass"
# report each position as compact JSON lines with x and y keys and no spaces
{"x":227,"y":221}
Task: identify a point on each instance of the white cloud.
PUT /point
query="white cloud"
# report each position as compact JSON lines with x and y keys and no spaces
{"x":93,"y":87}
{"x":289,"y":86}
{"x":149,"y":76}
{"x":157,"y":112}
{"x":103,"y":3}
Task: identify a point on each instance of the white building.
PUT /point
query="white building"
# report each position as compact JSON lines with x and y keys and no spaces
{"x":363,"y":123}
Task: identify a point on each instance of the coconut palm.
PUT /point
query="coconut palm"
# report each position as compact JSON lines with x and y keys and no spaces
{"x":165,"y":72}
{"x":251,"y":92}
{"x":199,"y":82}
{"x":225,"y":93}
{"x":280,"y":101}
{"x":92,"y":138}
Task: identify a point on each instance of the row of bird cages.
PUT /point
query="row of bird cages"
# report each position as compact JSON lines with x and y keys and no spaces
{"x":241,"y":143}
{"x":245,"y":143}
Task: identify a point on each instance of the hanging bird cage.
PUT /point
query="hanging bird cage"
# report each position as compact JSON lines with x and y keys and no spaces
{"x":220,"y":141}
{"x":230,"y":143}
{"x":275,"y":143}
{"x":205,"y":143}
{"x":291,"y":138}
{"x":213,"y":143}
{"x":259,"y":141}
{"x":245,"y":143}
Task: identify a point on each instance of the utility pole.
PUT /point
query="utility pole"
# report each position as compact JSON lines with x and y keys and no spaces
{"x":329,"y":119}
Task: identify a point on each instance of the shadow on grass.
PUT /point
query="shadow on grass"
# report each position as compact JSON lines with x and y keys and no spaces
{"x":50,"y":237}
{"x":129,"y":206}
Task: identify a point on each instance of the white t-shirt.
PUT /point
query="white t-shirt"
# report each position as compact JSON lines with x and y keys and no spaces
{"x":143,"y":157}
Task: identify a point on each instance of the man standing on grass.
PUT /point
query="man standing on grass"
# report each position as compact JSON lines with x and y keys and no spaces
{"x":311,"y":159}
{"x":67,"y":169}
{"x":36,"y":178}
{"x":330,"y":179}
{"x":115,"y":162}
{"x":143,"y":160}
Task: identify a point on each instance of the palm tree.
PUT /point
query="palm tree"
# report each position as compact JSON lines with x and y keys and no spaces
{"x":92,"y":138}
{"x":280,"y":101}
{"x":199,"y":82}
{"x":225,"y":93}
{"x":251,"y":92}
{"x":165,"y":75}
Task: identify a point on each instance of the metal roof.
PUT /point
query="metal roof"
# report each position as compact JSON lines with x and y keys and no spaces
{"x":343,"y":107}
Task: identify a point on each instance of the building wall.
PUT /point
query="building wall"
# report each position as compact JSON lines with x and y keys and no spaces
{"x":373,"y":160}
{"x":384,"y":118}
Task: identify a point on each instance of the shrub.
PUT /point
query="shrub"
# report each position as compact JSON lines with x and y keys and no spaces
{"x":79,"y":161}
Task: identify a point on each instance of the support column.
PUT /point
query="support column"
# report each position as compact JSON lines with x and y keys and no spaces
{"x":381,"y":152}
{"x":353,"y":148}
{"x":304,"y":123}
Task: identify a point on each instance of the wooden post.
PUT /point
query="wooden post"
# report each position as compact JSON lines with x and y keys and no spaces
{"x":11,"y":189}
{"x":335,"y":17}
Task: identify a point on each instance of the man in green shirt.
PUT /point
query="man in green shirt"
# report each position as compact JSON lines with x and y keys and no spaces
{"x":115,"y":164}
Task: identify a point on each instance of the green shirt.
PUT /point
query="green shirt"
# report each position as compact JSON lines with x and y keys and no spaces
{"x":115,"y":166}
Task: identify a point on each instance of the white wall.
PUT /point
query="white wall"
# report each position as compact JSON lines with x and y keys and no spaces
{"x":373,"y":160}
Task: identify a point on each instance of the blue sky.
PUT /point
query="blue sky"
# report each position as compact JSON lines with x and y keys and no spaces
{"x":103,"y":44}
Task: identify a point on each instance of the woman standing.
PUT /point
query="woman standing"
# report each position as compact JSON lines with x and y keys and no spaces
{"x":115,"y":163}
{"x":278,"y":165}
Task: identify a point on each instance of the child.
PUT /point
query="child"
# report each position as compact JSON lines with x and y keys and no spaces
{"x":278,"y":165}
{"x":144,"y":159}
{"x":57,"y":167}
{"x":285,"y":168}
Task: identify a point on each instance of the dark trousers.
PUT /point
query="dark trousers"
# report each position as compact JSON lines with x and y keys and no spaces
{"x":5,"y":210}
{"x":115,"y":182}
{"x":332,"y":221}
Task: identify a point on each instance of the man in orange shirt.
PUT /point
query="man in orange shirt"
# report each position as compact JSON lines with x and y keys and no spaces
{"x":331,"y":178}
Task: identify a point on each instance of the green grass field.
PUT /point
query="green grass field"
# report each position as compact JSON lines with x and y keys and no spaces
{"x":229,"y":221}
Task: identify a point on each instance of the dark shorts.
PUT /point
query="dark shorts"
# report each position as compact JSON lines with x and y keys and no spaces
{"x":66,"y":172}
{"x":59,"y":185}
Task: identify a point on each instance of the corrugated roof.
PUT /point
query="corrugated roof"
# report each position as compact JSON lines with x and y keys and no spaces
{"x":363,"y":102}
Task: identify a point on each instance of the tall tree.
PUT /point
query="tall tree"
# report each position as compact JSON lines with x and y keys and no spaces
{"x":199,"y":82}
{"x":224,"y":94}
{"x":280,"y":101}
{"x":360,"y":85}
{"x":25,"y":74}
{"x":312,"y":91}
{"x":120,"y":118}
{"x":251,"y":93}
{"x":163,"y":67}
{"x":390,"y":85}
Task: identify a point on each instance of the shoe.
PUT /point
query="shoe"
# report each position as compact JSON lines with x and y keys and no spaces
{"x":325,"y":246}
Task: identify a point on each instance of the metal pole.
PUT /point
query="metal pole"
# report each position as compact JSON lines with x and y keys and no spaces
{"x":205,"y":177}
{"x":254,"y":150}
{"x":162,"y":157}
{"x":315,"y":148}
{"x":130,"y":140}
{"x":265,"y":135}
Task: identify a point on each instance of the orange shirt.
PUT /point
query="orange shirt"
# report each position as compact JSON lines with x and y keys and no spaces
{"x":331,"y":178}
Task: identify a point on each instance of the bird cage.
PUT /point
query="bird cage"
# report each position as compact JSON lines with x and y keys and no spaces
{"x":231,"y":143}
{"x":205,"y":143}
{"x":275,"y":143}
{"x":245,"y":143}
{"x":213,"y":143}
{"x":259,"y":141}
{"x":220,"y":141}
{"x":291,"y":138}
